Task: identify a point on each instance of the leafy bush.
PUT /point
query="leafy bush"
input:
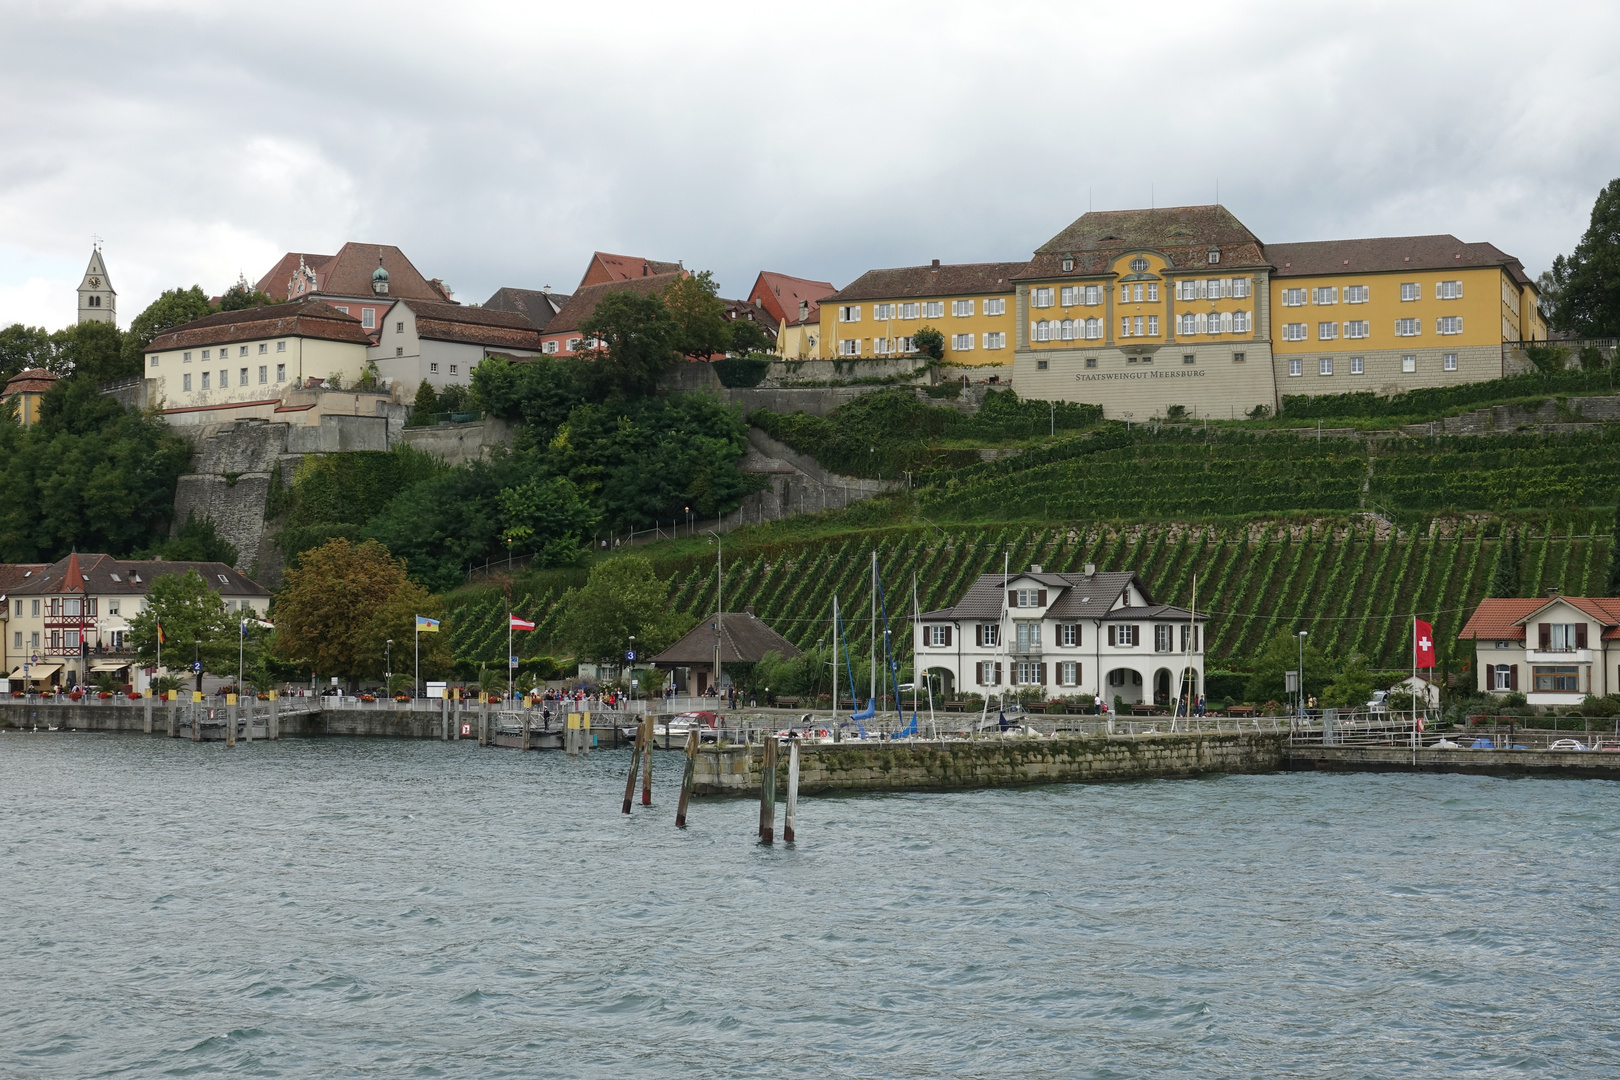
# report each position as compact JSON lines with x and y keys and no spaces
{"x":1441,"y":400}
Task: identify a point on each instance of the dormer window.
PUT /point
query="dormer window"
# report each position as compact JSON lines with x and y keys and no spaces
{"x":1068,"y":266}
{"x":1214,"y":255}
{"x":1029,"y":598}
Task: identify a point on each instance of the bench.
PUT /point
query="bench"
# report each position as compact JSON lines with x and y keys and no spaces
{"x":787,"y":703}
{"x":1240,"y":710}
{"x":955,"y":706}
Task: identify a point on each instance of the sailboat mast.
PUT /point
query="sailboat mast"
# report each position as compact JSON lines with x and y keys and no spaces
{"x":835,"y":663}
{"x":871,"y":697}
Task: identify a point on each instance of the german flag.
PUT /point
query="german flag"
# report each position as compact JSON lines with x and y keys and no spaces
{"x":162,"y":640}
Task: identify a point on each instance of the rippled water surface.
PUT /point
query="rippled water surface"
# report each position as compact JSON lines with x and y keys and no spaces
{"x":396,"y":909}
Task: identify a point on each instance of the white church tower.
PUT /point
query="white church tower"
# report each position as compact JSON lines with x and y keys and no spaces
{"x":97,"y":300}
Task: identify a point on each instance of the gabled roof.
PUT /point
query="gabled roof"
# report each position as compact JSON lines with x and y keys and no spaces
{"x":104,"y":575}
{"x":781,"y":294}
{"x":98,"y":267}
{"x":537,"y":305}
{"x":30,"y":381}
{"x":303,"y":318}
{"x":13,"y":575}
{"x":1505,"y":618}
{"x":604,"y":268}
{"x":1183,"y":234}
{"x":473,"y":325}
{"x":743,"y":637}
{"x":584,"y":301}
{"x":1385,"y":254}
{"x":908,"y":282}
{"x":1077,"y":595}
{"x":348,"y":274}
{"x":755,"y":313}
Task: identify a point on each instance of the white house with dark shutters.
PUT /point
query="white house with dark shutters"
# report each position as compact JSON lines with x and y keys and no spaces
{"x":1086,"y":633}
{"x":1554,"y":650}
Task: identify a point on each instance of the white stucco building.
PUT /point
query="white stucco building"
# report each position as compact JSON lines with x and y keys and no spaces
{"x":1554,"y":650}
{"x":443,"y":343}
{"x":1086,"y":633}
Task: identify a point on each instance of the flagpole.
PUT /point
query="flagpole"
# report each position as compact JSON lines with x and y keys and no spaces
{"x":416,"y":690}
{"x":1414,"y":679}
{"x":511,"y":668}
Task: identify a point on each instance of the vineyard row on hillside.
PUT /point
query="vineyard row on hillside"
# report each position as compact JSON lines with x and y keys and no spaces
{"x":1353,"y":592}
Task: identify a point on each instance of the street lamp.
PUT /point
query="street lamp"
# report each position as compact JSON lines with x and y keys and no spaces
{"x":1301,"y":691}
{"x":632,"y":669}
{"x":388,"y":666}
{"x":688,"y":521}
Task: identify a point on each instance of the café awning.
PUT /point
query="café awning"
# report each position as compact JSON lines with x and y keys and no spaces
{"x":37,"y":672}
{"x":109,"y":665}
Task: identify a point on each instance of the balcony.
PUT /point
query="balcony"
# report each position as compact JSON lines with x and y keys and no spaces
{"x":1558,"y":656}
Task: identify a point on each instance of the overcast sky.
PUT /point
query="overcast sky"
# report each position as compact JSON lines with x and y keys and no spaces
{"x":500,"y":143}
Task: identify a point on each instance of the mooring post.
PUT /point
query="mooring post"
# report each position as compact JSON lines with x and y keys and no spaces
{"x":646,"y":762}
{"x":230,"y":722}
{"x":585,"y":734}
{"x":148,"y":703}
{"x":767,"y":792}
{"x":248,"y":712}
{"x":273,"y":725}
{"x":687,"y":777}
{"x":635,"y":764}
{"x":444,"y":716}
{"x":174,"y":718}
{"x":792,"y":811}
{"x":525,"y":731}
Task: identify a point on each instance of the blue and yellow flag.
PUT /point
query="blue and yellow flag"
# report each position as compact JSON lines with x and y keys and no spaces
{"x":425,"y":625}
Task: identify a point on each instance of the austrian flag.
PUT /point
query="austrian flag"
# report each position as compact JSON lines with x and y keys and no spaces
{"x":1422,"y":644}
{"x":520,"y":624}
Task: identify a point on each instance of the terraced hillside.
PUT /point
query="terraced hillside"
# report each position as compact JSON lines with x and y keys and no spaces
{"x":1351,"y":589}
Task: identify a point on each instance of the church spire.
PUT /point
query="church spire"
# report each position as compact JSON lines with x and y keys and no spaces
{"x":98,"y":301}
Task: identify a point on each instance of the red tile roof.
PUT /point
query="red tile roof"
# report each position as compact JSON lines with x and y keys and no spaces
{"x":30,"y":381}
{"x":1385,"y":254}
{"x":103,"y":574}
{"x":348,"y":273}
{"x":1503,"y":618}
{"x":781,"y":294}
{"x":474,"y":325}
{"x":303,"y":318}
{"x":959,"y":279}
{"x":584,"y":300}
{"x":13,"y":575}
{"x":604,"y":268}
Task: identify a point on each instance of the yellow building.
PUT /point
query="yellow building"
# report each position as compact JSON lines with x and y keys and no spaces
{"x":26,"y":388}
{"x":1396,"y":313}
{"x":1139,"y":310}
{"x":1144,"y":310}
{"x":877,"y":316}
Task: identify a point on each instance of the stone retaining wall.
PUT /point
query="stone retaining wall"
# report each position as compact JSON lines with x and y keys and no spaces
{"x":1573,"y":764}
{"x":993,"y":762}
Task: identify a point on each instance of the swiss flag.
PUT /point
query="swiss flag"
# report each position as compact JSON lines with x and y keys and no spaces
{"x":1423,"y":643}
{"x":520,"y":624}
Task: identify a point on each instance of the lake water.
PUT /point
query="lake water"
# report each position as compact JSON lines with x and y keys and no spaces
{"x":352,"y":908}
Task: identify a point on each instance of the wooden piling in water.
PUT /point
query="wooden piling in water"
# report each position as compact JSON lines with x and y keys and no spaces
{"x":147,"y":726}
{"x":230,"y":724}
{"x":635,"y":765}
{"x":444,"y":717}
{"x":273,"y":724}
{"x":686,"y":777}
{"x":792,"y":811}
{"x":247,"y":711}
{"x":646,"y":761}
{"x":767,"y":793}
{"x":174,"y":718}
{"x":525,"y":731}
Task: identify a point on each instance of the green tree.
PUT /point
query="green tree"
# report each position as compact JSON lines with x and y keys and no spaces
{"x":547,"y":519}
{"x":455,"y":398}
{"x":930,"y":343}
{"x":748,"y":338}
{"x":195,"y":625}
{"x":395,"y":620}
{"x":241,"y":296}
{"x":637,"y":338}
{"x":175,"y":307}
{"x":1280,"y":655}
{"x":1352,"y":686}
{"x":1548,"y":289}
{"x":23,"y":347}
{"x":1614,"y":556}
{"x":328,"y":605}
{"x":196,"y":541}
{"x":1588,"y":281}
{"x":92,"y":351}
{"x":425,"y":405}
{"x":699,"y":316}
{"x":1505,"y":574}
{"x":538,"y":392}
{"x":624,"y":597}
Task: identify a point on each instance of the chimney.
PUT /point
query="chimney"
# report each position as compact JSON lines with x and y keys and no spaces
{"x":936,"y":264}
{"x":1035,"y":568}
{"x":1091,"y":569}
{"x":1552,"y":591}
{"x":804,"y":310}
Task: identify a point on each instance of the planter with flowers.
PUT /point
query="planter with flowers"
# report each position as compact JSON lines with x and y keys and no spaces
{"x":76,"y":695}
{"x":368,"y":697}
{"x":104,"y":695}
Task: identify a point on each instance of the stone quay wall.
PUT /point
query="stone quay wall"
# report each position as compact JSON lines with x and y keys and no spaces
{"x":1570,"y":764}
{"x":992,"y":762}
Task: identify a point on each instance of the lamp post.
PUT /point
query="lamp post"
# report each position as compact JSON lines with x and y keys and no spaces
{"x":1300,"y":694}
{"x":688,"y":521}
{"x":388,"y":666}
{"x":632,"y":669}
